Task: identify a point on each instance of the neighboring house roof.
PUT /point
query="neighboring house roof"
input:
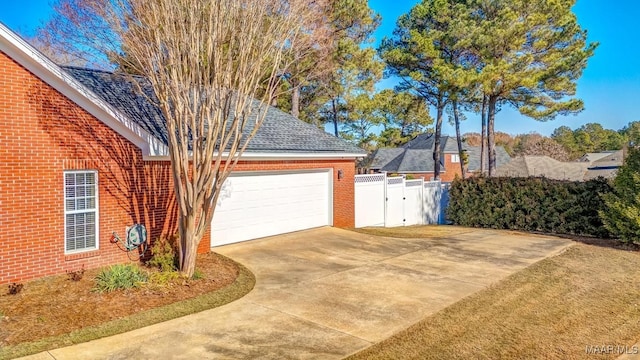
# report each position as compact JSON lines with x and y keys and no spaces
{"x":448,"y":144}
{"x":596,"y":173}
{"x":606,"y":165}
{"x":610,"y":160}
{"x":473,"y":157}
{"x":384,"y":157}
{"x":525,"y":166}
{"x":416,"y":156}
{"x":594,"y":156}
{"x":401,"y":160}
{"x":279,"y":133}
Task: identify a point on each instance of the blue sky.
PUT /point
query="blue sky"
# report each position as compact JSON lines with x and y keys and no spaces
{"x":610,"y":86}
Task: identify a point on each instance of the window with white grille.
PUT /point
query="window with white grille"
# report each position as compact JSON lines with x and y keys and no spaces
{"x":80,"y":210}
{"x":455,"y":158}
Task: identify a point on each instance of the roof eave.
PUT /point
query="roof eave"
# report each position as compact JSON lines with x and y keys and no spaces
{"x":275,"y":156}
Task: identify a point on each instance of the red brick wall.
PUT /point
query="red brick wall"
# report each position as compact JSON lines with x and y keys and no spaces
{"x":452,"y":170}
{"x":42,"y":134}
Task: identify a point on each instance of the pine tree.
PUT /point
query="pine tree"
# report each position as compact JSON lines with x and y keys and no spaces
{"x":427,"y":51}
{"x":622,"y":217}
{"x":531,"y":53}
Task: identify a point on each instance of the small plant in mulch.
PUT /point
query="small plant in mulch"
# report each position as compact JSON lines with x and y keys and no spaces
{"x":163,"y":278}
{"x":197,"y":275}
{"x":76,"y":275}
{"x":119,"y":277}
{"x":164,"y":260}
{"x":15,"y":288}
{"x":163,"y":255}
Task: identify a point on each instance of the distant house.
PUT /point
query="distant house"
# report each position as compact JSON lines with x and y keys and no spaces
{"x":595,"y":156}
{"x":606,"y":165}
{"x":543,"y":166}
{"x":415,"y":158}
{"x":589,"y":166}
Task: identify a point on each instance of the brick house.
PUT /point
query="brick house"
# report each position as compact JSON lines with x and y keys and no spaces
{"x":415,"y":158}
{"x":83,"y":156}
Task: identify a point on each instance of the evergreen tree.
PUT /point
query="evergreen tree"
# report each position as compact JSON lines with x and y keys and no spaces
{"x":622,"y":217}
{"x":531,"y":53}
{"x":355,"y":68}
{"x":427,"y":52}
{"x":403,"y":116}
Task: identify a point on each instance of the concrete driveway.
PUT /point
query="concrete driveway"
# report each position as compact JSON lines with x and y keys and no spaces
{"x":326,"y":293}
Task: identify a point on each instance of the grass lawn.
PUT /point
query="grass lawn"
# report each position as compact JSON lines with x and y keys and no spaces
{"x":587,"y":296}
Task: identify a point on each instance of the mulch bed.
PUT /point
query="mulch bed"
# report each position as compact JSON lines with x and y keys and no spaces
{"x":57,"y":305}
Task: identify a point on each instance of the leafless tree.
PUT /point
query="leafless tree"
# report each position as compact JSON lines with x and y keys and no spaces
{"x":78,"y":33}
{"x":536,"y":144}
{"x":214,"y":66}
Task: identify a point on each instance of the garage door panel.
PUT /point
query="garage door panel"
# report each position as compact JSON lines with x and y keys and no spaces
{"x":260,"y":205}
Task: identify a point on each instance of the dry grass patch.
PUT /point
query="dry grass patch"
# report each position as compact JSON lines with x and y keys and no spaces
{"x":554,"y":309}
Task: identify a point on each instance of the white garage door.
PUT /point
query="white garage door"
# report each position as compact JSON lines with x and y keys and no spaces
{"x":258,"y":205}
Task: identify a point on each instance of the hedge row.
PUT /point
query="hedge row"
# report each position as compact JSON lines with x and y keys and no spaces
{"x":529,"y":204}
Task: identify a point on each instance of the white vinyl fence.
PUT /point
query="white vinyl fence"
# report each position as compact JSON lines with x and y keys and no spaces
{"x":394,"y":201}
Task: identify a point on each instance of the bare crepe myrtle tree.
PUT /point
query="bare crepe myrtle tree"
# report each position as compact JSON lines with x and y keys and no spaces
{"x":214,"y":66}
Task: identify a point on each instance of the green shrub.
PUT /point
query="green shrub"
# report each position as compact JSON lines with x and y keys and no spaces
{"x":163,"y":255}
{"x":621,"y":215}
{"x":529,"y":204}
{"x":120,"y":277}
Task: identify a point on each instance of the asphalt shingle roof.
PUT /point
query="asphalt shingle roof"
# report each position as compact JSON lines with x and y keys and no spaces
{"x":610,"y":160}
{"x":448,"y":144}
{"x":591,"y":157}
{"x":605,"y":173}
{"x":417,"y":161}
{"x":526,"y":166}
{"x":280,"y":132}
{"x":383,"y":157}
{"x":417,"y":155}
{"x":473,"y":156}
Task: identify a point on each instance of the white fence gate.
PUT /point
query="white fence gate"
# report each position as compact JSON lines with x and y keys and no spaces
{"x":394,"y":201}
{"x":394,"y":214}
{"x":413,"y":203}
{"x":432,"y":202}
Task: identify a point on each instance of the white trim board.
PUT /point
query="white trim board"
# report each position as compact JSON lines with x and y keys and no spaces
{"x":272,"y":156}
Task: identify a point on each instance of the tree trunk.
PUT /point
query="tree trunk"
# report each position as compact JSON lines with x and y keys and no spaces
{"x":436,"y":142}
{"x":483,"y":138}
{"x":491,"y":115}
{"x":295,"y":101}
{"x":456,"y":117}
{"x":335,"y":117}
{"x":188,"y":244}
